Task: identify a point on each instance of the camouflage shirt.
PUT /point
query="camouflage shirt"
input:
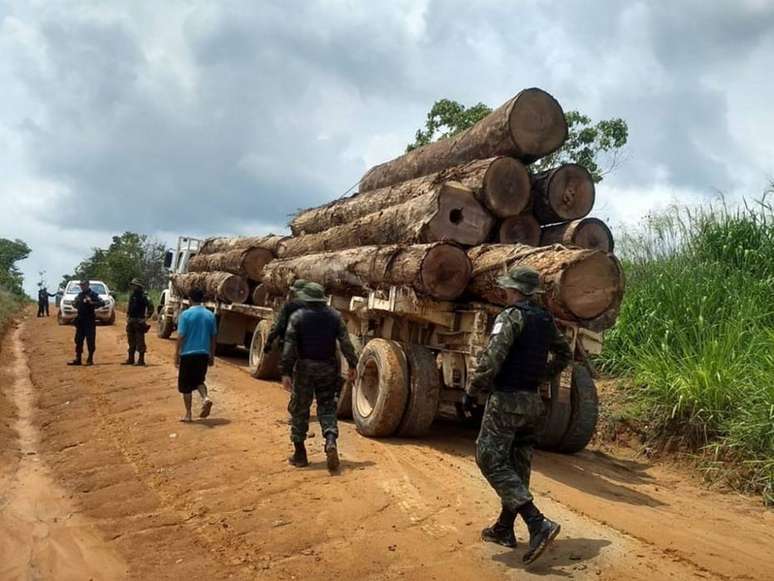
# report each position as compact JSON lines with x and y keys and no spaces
{"x":507,"y":328}
{"x":290,"y":353}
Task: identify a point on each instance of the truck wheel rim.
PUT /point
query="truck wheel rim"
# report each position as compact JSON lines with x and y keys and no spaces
{"x":368,"y":389}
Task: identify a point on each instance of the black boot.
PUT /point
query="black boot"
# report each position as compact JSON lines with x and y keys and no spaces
{"x":90,"y":359}
{"x":141,"y":360}
{"x":76,"y":361}
{"x":331,"y":452}
{"x":542,"y":531}
{"x":501,"y":532}
{"x":129,"y":358}
{"x":299,"y":459}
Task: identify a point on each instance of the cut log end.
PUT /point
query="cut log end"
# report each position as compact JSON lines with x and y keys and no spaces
{"x":537,"y":124}
{"x":234,"y":289}
{"x":259,"y":295}
{"x":506,"y":189}
{"x":460,"y":217}
{"x":571,"y":192}
{"x":523,"y":229}
{"x":591,"y":286}
{"x":590,"y":233}
{"x":254,"y":261}
{"x":445,"y":272}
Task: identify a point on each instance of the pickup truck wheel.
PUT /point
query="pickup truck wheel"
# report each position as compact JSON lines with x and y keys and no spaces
{"x":585,"y":412}
{"x":164,"y":327}
{"x":112,"y":319}
{"x":558,"y":411}
{"x":344,"y":404}
{"x":424,"y":391}
{"x":381,"y":391}
{"x":263,"y":365}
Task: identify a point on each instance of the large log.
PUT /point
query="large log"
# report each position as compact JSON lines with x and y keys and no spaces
{"x":580,"y":284}
{"x":528,"y":127}
{"x":586,"y":233}
{"x":563,"y":193}
{"x":217,"y":286}
{"x":522,"y":229}
{"x":248,"y":263}
{"x":269,"y":242}
{"x":440,"y":270}
{"x":502,"y":184}
{"x":449,"y":212}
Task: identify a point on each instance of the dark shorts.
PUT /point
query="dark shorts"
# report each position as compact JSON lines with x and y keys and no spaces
{"x":192,"y":372}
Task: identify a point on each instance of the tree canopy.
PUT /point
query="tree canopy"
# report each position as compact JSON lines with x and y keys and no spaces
{"x":595,"y":146}
{"x":11,"y":252}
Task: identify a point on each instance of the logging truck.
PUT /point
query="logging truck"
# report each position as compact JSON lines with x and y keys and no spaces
{"x":415,"y":356}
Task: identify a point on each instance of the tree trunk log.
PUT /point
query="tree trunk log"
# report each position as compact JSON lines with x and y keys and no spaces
{"x":529,"y":126}
{"x":589,"y":233}
{"x":501,"y":184}
{"x":450,"y":212}
{"x":218,"y":286}
{"x":248,"y":263}
{"x":580,"y":285}
{"x":440,"y":270}
{"x":563,"y":193}
{"x":217,"y":245}
{"x":523,"y":229}
{"x":259,"y":295}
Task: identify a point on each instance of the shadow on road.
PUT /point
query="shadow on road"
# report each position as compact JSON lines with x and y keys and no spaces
{"x":562,"y":553}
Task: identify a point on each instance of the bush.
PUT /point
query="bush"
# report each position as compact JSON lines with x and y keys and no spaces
{"x":10,"y":304}
{"x":696,"y":334}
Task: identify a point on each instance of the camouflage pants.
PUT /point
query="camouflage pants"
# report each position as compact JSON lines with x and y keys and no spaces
{"x":505,"y":444}
{"x":135,"y":334}
{"x":319,"y":380}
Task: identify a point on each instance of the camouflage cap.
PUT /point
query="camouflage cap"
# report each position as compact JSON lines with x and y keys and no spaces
{"x":84,"y":281}
{"x":524,"y":279}
{"x":312,"y":293}
{"x":298,"y":285}
{"x":137,"y":282}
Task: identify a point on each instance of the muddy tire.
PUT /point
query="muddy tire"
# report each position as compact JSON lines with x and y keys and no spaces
{"x":164,"y":326}
{"x":424,"y":391}
{"x":558,"y":412}
{"x":381,"y":391}
{"x":344,"y":405}
{"x":263,"y":365}
{"x":585,"y":412}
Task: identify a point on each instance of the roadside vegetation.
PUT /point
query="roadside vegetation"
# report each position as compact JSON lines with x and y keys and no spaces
{"x":12,"y":297}
{"x":695,"y":337}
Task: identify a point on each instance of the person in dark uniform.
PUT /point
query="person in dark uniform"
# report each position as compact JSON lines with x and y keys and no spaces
{"x":85,"y":304}
{"x":281,"y":323}
{"x":310,"y":370}
{"x":139,"y":309}
{"x":512,"y":368}
{"x":43,"y":296}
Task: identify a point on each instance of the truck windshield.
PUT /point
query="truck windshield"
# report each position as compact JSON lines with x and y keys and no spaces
{"x":74,"y":288}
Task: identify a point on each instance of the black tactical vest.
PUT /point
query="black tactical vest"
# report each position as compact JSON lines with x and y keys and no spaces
{"x":525,"y":367}
{"x":317,"y":329}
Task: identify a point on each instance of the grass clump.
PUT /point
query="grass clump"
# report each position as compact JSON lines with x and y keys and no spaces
{"x":696,"y":335}
{"x":10,"y":304}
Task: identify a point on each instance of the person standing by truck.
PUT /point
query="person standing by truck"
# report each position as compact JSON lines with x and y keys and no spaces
{"x":85,"y":303}
{"x":310,"y":370}
{"x":513,"y":366}
{"x":139,"y":309}
{"x":195,"y":352}
{"x":280,"y":325}
{"x":43,"y":296}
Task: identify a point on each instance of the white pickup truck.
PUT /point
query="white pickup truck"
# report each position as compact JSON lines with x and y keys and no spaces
{"x":67,"y":312}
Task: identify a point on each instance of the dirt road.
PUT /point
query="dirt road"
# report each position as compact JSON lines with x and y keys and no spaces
{"x":100,"y":481}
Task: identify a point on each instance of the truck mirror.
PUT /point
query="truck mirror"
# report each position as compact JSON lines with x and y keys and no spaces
{"x":168,"y":256}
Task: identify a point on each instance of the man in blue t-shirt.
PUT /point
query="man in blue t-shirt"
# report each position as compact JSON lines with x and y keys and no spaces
{"x":195,"y":351}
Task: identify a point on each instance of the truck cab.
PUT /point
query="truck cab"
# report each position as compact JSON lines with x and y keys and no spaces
{"x":175,"y":262}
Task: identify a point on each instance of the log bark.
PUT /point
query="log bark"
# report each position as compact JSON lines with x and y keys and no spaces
{"x":501,"y":184}
{"x":523,"y":229}
{"x":218,"y":286}
{"x":450,"y":212}
{"x":269,"y":242}
{"x":248,"y":263}
{"x":586,"y":233}
{"x":581,"y":285}
{"x":563,"y":193}
{"x":527,"y":127}
{"x":440,"y":270}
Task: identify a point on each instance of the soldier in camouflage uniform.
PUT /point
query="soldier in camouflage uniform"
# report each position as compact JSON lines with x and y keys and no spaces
{"x":309,"y":357}
{"x":280,"y":325}
{"x":512,"y":368}
{"x":139,"y":309}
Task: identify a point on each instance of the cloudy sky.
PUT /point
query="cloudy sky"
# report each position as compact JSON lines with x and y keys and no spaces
{"x":200,"y":117}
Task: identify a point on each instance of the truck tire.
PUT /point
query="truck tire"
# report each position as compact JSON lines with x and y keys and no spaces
{"x":381,"y":391}
{"x":263,"y":365}
{"x":164,"y":326}
{"x":585,"y":412}
{"x":344,"y":404}
{"x":424,"y":391}
{"x":558,"y":412}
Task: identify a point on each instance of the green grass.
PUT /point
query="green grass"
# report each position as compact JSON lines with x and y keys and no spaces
{"x":696,"y":336}
{"x":10,"y":304}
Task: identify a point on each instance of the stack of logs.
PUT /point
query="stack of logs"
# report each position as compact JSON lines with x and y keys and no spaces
{"x":446,"y":220}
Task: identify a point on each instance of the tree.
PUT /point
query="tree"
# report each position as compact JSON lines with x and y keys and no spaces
{"x":595,"y":146}
{"x":11,"y":252}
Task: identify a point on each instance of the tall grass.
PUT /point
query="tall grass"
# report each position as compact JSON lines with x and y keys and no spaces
{"x":10,"y":304}
{"x":696,"y":334}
